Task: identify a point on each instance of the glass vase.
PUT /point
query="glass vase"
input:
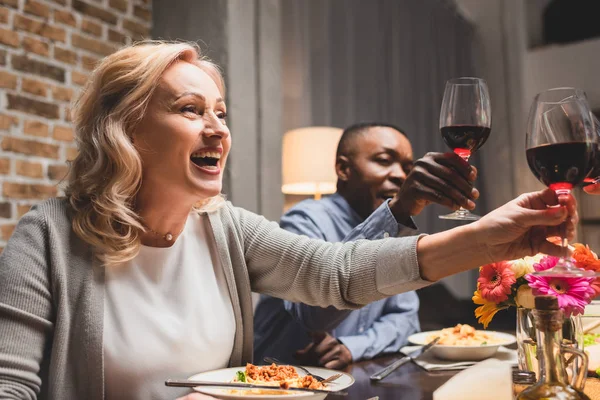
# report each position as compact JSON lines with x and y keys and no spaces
{"x":526,"y":342}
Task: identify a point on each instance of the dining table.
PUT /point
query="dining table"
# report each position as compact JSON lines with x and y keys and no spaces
{"x":410,"y":382}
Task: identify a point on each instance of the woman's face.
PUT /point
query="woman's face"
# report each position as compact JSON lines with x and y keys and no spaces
{"x":183,"y":139}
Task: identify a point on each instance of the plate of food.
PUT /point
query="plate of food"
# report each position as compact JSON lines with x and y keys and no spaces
{"x":463,"y":342}
{"x":278,"y":376}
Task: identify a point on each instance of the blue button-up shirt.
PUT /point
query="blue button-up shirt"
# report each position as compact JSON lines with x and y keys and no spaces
{"x":282,"y":327}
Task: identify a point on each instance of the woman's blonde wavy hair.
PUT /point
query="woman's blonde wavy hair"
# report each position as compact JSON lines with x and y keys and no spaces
{"x":106,"y":175}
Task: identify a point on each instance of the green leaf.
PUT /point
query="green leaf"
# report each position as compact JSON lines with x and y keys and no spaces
{"x":241,"y":376}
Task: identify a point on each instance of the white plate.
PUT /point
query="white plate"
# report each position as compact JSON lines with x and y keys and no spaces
{"x":228,"y":374}
{"x":464,"y":353}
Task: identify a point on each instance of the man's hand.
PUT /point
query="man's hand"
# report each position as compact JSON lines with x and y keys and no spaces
{"x":442,"y":178}
{"x":592,"y":189}
{"x":325,"y":351}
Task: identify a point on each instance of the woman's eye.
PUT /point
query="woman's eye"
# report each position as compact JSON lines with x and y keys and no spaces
{"x":222,"y":115}
{"x":190,"y":109}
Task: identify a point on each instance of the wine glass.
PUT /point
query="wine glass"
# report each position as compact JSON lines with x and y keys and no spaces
{"x":594,"y":176}
{"x":465,"y":123}
{"x":561,"y":147}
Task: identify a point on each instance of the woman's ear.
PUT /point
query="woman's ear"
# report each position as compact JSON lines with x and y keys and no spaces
{"x":342,"y":168}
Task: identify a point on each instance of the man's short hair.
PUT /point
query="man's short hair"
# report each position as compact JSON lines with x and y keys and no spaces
{"x":355,"y":130}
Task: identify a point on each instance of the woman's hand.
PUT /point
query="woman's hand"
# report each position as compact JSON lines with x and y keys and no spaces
{"x":197,"y":396}
{"x":521,"y":227}
{"x":592,"y":189}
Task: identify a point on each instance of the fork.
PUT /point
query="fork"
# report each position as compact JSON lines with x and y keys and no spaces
{"x":271,"y":360}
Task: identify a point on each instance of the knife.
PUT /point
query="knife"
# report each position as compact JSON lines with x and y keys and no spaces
{"x":413,"y":355}
{"x":238,"y":385}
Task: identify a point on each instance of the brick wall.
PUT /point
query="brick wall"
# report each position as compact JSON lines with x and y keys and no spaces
{"x":47,"y":49}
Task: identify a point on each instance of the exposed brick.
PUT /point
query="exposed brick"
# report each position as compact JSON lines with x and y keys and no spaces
{"x":94,"y":11}
{"x":25,"y":64}
{"x":4,"y":166}
{"x":28,"y":191}
{"x":37,"y":8}
{"x":93,"y":45}
{"x":6,"y":121}
{"x":88,"y":62}
{"x":143,"y":13}
{"x":57,"y":172}
{"x":61,"y":2}
{"x":39,"y":28}
{"x":62,"y":94}
{"x":35,"y":46}
{"x":29,"y":147}
{"x":65,"y":17}
{"x":116,"y":37}
{"x":8,"y":80}
{"x":5,"y":210}
{"x":92,"y":27}
{"x":30,"y":106}
{"x":2,"y":57}
{"x":64,"y":55}
{"x":64,"y":133}
{"x":29,"y":169}
{"x":35,"y":128}
{"x":34,"y":87}
{"x":120,"y":5}
{"x":7,"y":230}
{"x":9,"y":38}
{"x":22,"y":209}
{"x":71,"y":153}
{"x":4,"y":12}
{"x":78,"y":78}
{"x":136,"y":27}
{"x":10,"y":3}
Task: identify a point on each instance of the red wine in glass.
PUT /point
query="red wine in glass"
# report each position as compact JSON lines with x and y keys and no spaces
{"x":464,"y":140}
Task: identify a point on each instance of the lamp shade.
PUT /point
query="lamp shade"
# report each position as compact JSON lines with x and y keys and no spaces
{"x":308,"y":160}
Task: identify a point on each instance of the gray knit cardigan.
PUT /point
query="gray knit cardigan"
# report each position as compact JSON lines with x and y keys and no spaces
{"x":52,"y":291}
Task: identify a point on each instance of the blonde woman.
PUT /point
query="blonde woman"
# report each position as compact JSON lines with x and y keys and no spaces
{"x":143,"y":271}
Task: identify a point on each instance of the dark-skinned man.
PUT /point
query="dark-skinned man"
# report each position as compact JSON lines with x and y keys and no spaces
{"x":380,"y":188}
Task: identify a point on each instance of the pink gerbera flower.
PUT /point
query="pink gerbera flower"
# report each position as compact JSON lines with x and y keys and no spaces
{"x":573,"y":293}
{"x":495,"y":281}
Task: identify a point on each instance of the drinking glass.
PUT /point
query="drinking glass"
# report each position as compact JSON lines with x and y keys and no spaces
{"x":561,"y":146}
{"x":465,"y":124}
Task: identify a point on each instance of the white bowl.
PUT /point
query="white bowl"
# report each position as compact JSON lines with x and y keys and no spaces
{"x":464,"y":353}
{"x":228,"y":374}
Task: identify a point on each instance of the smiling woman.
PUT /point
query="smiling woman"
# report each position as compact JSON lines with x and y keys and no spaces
{"x":143,"y":271}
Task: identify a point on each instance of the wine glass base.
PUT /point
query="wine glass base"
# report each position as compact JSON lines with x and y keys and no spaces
{"x":567,"y":272}
{"x":460,"y":216}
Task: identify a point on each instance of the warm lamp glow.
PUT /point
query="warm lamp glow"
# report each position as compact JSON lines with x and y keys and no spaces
{"x":308,"y":160}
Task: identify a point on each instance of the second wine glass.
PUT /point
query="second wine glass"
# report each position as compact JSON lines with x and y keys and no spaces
{"x":561,"y":147}
{"x":465,"y":123}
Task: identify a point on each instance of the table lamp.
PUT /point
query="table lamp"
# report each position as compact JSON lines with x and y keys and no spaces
{"x":308,"y":161}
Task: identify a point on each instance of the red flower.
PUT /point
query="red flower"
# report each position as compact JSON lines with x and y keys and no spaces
{"x":495,"y":281}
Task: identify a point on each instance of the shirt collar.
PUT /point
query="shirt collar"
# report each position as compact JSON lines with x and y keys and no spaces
{"x":348,"y":212}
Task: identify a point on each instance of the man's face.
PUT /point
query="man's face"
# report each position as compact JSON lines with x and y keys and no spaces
{"x":378,"y":163}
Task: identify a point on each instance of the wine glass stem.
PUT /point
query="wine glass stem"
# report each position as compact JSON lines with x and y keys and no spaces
{"x":564,"y":242}
{"x":465,"y":157}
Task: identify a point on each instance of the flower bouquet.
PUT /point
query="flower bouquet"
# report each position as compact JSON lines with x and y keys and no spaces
{"x":511,"y":283}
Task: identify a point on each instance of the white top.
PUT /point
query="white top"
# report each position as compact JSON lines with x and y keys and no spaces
{"x":167,"y":314}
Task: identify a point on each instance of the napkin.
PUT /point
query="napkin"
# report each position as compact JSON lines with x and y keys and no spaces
{"x":475,"y":382}
{"x":429,"y":362}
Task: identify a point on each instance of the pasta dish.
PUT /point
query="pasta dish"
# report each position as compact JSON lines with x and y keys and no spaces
{"x":463,"y":335}
{"x":282,"y":376}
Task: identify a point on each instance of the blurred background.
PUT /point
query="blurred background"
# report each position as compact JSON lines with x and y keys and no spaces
{"x":299,"y":63}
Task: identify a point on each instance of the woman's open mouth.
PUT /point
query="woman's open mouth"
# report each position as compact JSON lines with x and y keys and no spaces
{"x":207,"y":160}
